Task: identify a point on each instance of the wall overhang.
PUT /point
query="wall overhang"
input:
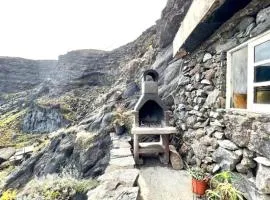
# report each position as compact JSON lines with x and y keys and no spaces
{"x":202,"y":19}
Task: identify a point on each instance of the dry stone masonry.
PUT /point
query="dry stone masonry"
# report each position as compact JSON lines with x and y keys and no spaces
{"x":213,"y":137}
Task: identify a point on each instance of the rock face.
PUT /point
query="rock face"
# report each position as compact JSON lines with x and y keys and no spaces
{"x":169,"y":23}
{"x":193,"y":87}
{"x":43,"y":120}
{"x":6,"y":153}
{"x":18,"y":74}
{"x":67,"y":150}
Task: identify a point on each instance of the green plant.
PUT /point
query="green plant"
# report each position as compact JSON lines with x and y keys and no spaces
{"x":198,"y":173}
{"x":57,"y":187}
{"x":9,"y":195}
{"x":122,"y":117}
{"x":222,"y":187}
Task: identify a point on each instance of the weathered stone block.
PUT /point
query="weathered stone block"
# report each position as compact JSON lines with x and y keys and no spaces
{"x":227,"y":144}
{"x":225,"y":158}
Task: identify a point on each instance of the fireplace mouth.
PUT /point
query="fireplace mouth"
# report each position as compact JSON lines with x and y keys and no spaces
{"x":151,"y":115}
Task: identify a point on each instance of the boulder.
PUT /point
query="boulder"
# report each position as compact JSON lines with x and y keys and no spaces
{"x":238,"y":129}
{"x":172,"y":71}
{"x":227,"y":144}
{"x":226,"y":159}
{"x":248,"y":154}
{"x":262,"y":160}
{"x":212,"y":98}
{"x":218,"y":135}
{"x":6,"y":153}
{"x":229,"y":44}
{"x":199,"y":150}
{"x":242,"y":26}
{"x":207,"y":57}
{"x":263,"y":15}
{"x":263,"y":179}
{"x":241,"y":168}
{"x":131,"y":89}
{"x":175,"y":159}
{"x":249,"y":163}
{"x":260,"y":143}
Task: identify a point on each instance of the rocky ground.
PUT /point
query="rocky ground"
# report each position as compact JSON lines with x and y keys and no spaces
{"x":155,"y":182}
{"x":56,"y":116}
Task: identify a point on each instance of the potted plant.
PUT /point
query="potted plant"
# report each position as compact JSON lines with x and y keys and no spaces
{"x":121,"y":121}
{"x":199,"y":180}
{"x":222,"y":188}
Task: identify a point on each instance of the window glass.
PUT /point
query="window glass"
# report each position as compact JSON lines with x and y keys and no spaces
{"x":262,"y":51}
{"x":262,"y":73}
{"x":262,"y":95}
{"x":239,"y":78}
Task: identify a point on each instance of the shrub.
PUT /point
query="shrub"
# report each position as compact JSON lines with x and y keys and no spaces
{"x":123,"y":118}
{"x":9,"y":195}
{"x":197,"y":173}
{"x":56,"y":187}
{"x":4,"y":174}
{"x":222,"y":187}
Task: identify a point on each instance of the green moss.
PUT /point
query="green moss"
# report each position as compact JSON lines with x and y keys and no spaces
{"x":4,"y":174}
{"x":64,"y":104}
{"x":56,"y":187}
{"x":11,"y":117}
{"x":9,"y":195}
{"x":9,"y":124}
{"x":85,"y":185}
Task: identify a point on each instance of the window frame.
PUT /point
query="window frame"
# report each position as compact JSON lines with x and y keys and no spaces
{"x":250,"y":44}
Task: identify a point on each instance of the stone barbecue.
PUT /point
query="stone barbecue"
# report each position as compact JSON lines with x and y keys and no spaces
{"x":151,"y":118}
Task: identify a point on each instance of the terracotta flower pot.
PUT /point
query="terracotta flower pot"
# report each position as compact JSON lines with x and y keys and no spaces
{"x":199,"y":186}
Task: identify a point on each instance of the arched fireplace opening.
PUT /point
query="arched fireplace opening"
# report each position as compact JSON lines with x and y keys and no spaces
{"x":151,"y":115}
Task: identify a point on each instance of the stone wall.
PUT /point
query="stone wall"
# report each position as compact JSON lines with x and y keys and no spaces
{"x":210,"y":135}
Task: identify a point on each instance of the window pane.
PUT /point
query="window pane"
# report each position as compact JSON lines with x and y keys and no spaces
{"x":262,"y":51}
{"x":239,"y":78}
{"x":262,"y":73}
{"x":262,"y":95}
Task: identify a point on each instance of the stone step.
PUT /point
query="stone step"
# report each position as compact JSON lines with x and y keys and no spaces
{"x":121,"y":152}
{"x":111,"y":191}
{"x":125,"y":177}
{"x":116,"y":144}
{"x":125,"y":162}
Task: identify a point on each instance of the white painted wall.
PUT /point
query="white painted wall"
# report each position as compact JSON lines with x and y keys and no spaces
{"x":195,"y":14}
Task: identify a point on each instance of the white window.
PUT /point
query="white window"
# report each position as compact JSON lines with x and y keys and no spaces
{"x":248,"y":75}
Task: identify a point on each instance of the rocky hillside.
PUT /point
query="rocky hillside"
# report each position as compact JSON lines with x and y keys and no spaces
{"x":62,"y":123}
{"x":18,"y":74}
{"x":66,"y":108}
